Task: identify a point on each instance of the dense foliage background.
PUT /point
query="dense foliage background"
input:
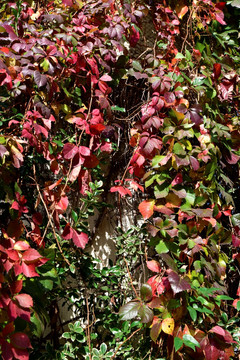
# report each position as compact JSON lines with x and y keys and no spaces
{"x":103,"y":101}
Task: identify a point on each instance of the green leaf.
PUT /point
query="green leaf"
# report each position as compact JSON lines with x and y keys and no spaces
{"x":199,"y":46}
{"x":136,"y":65}
{"x":238,"y":305}
{"x":179,"y":56}
{"x":161,"y":191}
{"x":117,"y":108}
{"x":103,"y":348}
{"x":178,"y":149}
{"x":162,"y":248}
{"x":74,"y":216}
{"x":190,"y":341}
{"x":47,"y":284}
{"x":193,"y":313}
{"x":177,"y":343}
{"x":72,"y":268}
{"x":236,"y":220}
{"x":223,"y":297}
{"x":45,"y":65}
{"x":190,"y":197}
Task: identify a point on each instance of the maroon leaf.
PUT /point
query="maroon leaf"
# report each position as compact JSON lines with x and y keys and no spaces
{"x":145,"y":313}
{"x":156,"y":329}
{"x":177,"y":283}
{"x":217,"y":70}
{"x":20,"y":340}
{"x":67,"y":232}
{"x":129,"y":311}
{"x":146,"y":292}
{"x":40,"y":80}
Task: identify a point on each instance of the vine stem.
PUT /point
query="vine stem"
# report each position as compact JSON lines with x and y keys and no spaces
{"x":131,"y":281}
{"x":49,"y":217}
{"x":88,"y":329}
{"x":114,"y":355}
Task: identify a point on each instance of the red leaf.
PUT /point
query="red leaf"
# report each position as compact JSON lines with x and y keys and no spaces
{"x":69,"y":151}
{"x":219,"y":16}
{"x":135,"y":186}
{"x":121,"y":190}
{"x":6,"y":351}
{"x":31,"y":256}
{"x":16,"y":286}
{"x":75,"y":172}
{"x":135,"y":36}
{"x":62,"y":204}
{"x":20,"y":340}
{"x":67,"y":2}
{"x":9,"y":328}
{"x":220,"y":5}
{"x":211,"y":351}
{"x":85,"y":151}
{"x":217,"y":70}
{"x":177,"y":180}
{"x":105,"y":77}
{"x":67,"y":232}
{"x":146,"y":208}
{"x":28,"y":270}
{"x":15,"y":205}
{"x":15,"y":311}
{"x":154,"y":266}
{"x":224,"y":334}
{"x":235,"y":240}
{"x":233,"y":158}
{"x":21,"y":246}
{"x":80,"y":239}
{"x":20,"y":354}
{"x":194,"y":163}
{"x":24,"y":300}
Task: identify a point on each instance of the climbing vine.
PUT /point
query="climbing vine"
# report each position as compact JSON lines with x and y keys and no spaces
{"x":120,"y":99}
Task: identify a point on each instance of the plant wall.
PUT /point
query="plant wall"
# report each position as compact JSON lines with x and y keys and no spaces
{"x":130,"y":99}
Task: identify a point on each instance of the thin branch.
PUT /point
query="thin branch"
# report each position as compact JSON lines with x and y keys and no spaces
{"x":49,"y":217}
{"x":88,"y":332}
{"x":131,"y":281}
{"x":114,"y":355}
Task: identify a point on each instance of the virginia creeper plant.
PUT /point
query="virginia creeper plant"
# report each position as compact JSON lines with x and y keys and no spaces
{"x":75,"y":97}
